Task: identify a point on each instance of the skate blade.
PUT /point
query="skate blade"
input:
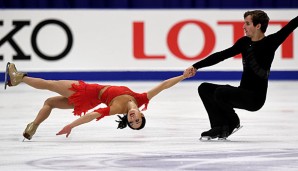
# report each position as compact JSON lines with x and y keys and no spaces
{"x":27,"y":136}
{"x":207,"y":138}
{"x":236,"y":129}
{"x":213,"y":139}
{"x":6,"y":82}
{"x":223,"y":139}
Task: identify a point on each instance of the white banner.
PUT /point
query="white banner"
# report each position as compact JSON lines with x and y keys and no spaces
{"x":129,"y":40}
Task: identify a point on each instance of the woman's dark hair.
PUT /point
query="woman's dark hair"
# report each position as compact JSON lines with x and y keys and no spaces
{"x":123,"y":122}
{"x":258,"y":17}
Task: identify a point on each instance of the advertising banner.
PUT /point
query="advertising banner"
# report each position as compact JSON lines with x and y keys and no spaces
{"x":130,"y":40}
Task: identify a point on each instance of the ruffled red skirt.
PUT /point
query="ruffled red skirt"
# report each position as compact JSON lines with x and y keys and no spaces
{"x":85,"y":97}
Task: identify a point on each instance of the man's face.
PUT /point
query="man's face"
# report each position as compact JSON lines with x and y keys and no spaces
{"x":249,"y":28}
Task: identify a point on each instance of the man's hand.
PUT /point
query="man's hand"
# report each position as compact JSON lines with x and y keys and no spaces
{"x":190,"y":72}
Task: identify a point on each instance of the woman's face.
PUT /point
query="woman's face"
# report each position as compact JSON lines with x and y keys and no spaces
{"x":134,"y":118}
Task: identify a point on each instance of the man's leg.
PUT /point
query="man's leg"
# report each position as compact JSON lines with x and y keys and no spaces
{"x":228,"y":98}
{"x":206,"y":92}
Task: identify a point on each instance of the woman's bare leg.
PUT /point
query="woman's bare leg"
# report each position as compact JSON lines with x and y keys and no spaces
{"x":61,"y":86}
{"x":59,"y":102}
{"x":51,"y":103}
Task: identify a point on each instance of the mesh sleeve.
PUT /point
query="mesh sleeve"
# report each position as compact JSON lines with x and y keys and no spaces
{"x":103,"y":111}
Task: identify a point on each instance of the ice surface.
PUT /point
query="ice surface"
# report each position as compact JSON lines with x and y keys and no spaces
{"x":170,"y":140}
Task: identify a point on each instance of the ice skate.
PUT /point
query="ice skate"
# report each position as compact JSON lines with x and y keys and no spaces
{"x":6,"y":76}
{"x":15,"y":77}
{"x":225,"y":133}
{"x":211,"y":134}
{"x":236,"y":129}
{"x":30,"y":130}
{"x":228,"y":132}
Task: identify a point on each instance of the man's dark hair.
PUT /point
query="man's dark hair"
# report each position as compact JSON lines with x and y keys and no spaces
{"x":258,"y":17}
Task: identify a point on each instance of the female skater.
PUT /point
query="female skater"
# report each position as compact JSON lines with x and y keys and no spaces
{"x":82,"y":97}
{"x":257,"y":55}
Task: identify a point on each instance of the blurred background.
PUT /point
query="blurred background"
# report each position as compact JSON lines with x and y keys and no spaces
{"x":146,"y":4}
{"x":100,"y":40}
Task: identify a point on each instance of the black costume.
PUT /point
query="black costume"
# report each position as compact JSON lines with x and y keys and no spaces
{"x":220,"y":100}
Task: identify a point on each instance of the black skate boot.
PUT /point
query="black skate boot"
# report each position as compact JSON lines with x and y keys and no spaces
{"x":228,"y":131}
{"x":224,"y":133}
{"x":234,"y":125}
{"x":211,"y":134}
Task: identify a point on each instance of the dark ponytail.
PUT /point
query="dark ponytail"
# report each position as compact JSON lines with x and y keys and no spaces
{"x":122,"y":123}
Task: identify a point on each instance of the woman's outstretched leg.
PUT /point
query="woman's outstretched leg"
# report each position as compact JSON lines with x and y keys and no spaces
{"x":61,"y":86}
{"x":59,"y":102}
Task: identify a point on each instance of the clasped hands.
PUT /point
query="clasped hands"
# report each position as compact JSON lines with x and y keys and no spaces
{"x":189,"y":72}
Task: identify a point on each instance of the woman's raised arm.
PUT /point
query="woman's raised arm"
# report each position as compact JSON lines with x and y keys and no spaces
{"x":167,"y":84}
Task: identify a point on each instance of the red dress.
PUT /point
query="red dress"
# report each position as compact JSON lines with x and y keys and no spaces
{"x":86,"y":97}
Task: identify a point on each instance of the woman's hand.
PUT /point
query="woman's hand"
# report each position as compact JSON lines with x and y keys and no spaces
{"x":66,"y":130}
{"x":189,"y":72}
